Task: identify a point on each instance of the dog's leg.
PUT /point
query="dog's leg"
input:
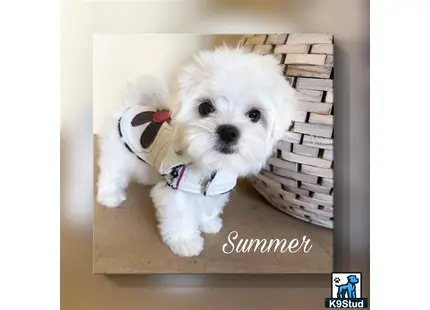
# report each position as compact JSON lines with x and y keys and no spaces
{"x":210,"y":221}
{"x":115,"y":166}
{"x":177,"y":220}
{"x":111,"y":187}
{"x":341,"y":292}
{"x":349,"y":293}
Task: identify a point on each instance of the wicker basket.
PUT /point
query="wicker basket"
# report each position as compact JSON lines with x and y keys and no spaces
{"x":298,"y":178}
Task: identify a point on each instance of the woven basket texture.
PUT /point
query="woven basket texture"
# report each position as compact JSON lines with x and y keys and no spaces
{"x":298,"y":177}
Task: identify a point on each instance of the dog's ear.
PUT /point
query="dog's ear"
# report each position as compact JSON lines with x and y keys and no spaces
{"x":286,"y":105}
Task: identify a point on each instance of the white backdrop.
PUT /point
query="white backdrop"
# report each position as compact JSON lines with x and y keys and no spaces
{"x":118,"y":59}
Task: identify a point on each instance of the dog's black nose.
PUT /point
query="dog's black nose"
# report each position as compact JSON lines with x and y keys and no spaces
{"x":228,"y":133}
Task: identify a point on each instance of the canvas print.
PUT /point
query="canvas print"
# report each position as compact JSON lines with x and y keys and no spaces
{"x":213,"y":154}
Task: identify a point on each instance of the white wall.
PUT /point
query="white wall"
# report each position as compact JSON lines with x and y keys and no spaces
{"x":118,"y":59}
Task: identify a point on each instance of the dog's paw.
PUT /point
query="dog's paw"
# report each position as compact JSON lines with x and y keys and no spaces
{"x":186,"y":246}
{"x":111,"y":199}
{"x":211,"y":226}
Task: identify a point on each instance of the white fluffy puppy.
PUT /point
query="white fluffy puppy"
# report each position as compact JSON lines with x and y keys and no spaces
{"x":231,"y":108}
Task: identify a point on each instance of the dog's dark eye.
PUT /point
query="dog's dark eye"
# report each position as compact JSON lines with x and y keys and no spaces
{"x":206,"y":107}
{"x":254,"y":115}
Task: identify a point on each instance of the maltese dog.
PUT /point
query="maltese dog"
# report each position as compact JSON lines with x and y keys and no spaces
{"x":231,"y":108}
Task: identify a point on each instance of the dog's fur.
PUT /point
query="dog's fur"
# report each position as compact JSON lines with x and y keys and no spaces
{"x":235,"y":81}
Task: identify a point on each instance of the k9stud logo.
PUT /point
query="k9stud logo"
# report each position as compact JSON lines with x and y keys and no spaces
{"x":346,"y":289}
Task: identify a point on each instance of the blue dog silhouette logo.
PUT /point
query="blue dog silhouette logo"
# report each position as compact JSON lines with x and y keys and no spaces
{"x":348,"y":289}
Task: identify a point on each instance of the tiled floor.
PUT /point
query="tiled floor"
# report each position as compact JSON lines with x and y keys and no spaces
{"x":126,"y":239}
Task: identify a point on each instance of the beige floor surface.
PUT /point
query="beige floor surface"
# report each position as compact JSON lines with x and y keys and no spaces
{"x":126,"y":240}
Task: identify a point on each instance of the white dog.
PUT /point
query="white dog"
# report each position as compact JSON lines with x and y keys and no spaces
{"x":231,"y":109}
